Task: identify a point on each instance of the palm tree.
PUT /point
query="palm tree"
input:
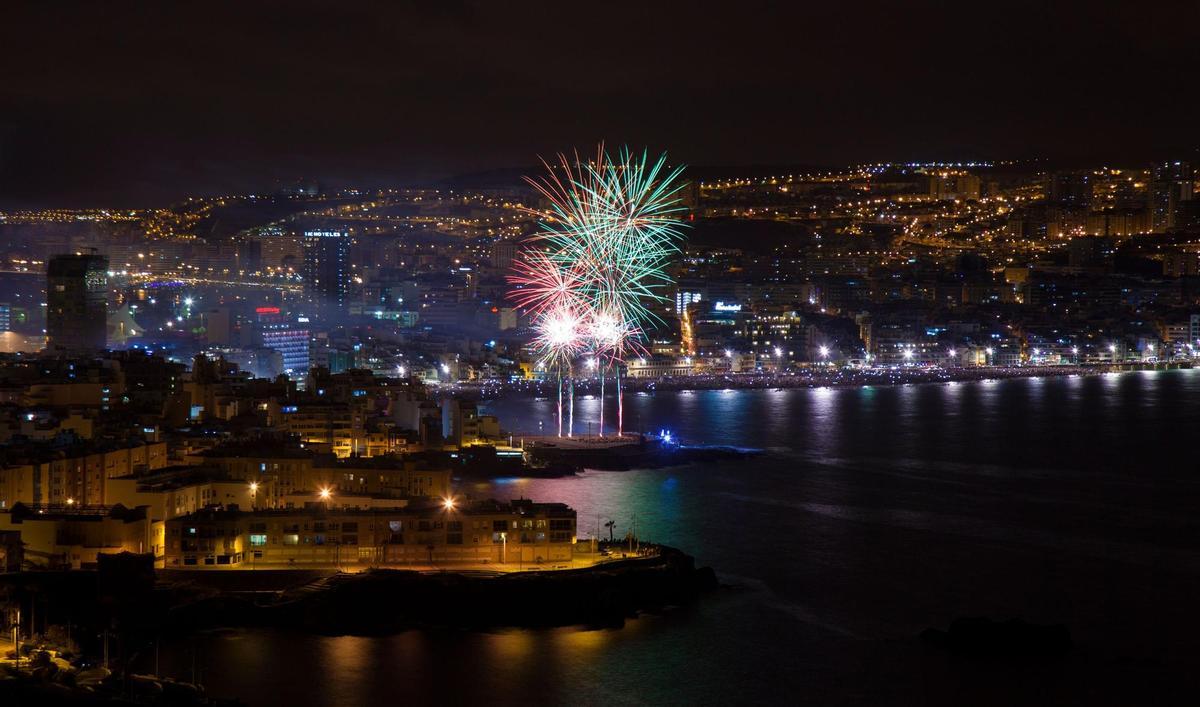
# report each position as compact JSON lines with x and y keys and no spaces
{"x":610,"y":525}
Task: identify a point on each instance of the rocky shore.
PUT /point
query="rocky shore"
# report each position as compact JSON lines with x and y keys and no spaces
{"x":383,"y":601}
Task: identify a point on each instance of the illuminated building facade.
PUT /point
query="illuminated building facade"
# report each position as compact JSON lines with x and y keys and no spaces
{"x":432,"y":532}
{"x":276,"y":331}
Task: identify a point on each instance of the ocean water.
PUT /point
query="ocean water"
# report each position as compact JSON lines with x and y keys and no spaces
{"x":873,"y":513}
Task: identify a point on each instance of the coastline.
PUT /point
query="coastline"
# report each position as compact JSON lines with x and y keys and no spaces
{"x":800,"y":379}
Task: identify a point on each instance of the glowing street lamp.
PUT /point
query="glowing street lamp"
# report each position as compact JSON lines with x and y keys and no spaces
{"x":448,"y":503}
{"x":824,"y":352}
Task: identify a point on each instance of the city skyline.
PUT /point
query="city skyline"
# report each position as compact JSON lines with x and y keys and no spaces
{"x":643,"y":353}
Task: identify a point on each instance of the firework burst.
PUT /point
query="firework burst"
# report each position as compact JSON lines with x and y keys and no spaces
{"x":596,"y":269}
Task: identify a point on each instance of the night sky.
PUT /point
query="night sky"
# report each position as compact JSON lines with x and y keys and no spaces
{"x":132,"y":104}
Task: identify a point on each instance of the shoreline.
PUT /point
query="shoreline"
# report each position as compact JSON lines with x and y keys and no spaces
{"x":801,"y":379}
{"x":600,"y":596}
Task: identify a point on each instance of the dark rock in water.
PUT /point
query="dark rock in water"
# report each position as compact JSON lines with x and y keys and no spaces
{"x":706,"y":579}
{"x":984,"y":638}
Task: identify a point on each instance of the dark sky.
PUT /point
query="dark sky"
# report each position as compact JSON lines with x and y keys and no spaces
{"x":123,"y":103}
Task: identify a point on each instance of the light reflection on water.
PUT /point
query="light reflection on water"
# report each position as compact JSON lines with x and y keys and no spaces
{"x":875,"y":512}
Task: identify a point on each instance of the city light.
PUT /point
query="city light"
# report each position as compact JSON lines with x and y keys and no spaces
{"x":325,"y":493}
{"x":824,"y":350}
{"x":448,"y":503}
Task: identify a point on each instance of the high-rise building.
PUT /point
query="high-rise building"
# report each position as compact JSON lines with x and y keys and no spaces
{"x":1070,"y":190}
{"x":276,"y":331}
{"x":326,"y":269}
{"x":77,"y":302}
{"x":1171,"y":191}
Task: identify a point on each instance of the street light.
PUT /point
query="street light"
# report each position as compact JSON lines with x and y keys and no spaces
{"x":824,"y":352}
{"x":448,"y":503}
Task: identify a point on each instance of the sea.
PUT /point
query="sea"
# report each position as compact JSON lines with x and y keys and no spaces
{"x":871,"y":514}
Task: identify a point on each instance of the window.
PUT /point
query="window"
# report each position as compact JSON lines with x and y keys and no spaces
{"x":291,"y":539}
{"x":395,"y":525}
{"x":454,"y":539}
{"x":258,"y":539}
{"x":350,"y":527}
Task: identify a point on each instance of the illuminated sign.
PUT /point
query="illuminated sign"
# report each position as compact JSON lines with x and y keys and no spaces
{"x":722,"y":307}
